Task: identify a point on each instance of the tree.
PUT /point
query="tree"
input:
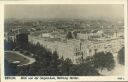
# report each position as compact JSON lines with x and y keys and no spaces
{"x":121,"y":56}
{"x":85,"y":69}
{"x":8,"y":45}
{"x":66,"y":67}
{"x":10,"y":69}
{"x":104,"y":60}
{"x":22,"y":40}
{"x":89,"y":60}
{"x":75,"y":34}
{"x":54,"y":63}
{"x":69,"y":35}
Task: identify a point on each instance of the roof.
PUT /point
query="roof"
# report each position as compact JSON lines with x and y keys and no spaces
{"x":23,"y":31}
{"x":95,"y":31}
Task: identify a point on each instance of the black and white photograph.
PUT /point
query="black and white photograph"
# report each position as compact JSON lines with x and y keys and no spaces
{"x":64,"y":40}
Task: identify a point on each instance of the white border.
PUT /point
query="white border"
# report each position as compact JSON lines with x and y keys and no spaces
{"x":86,"y":78}
{"x":1,"y":37}
{"x":126,"y":35}
{"x":64,"y":2}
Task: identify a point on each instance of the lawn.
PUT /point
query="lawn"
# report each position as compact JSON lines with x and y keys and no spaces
{"x":13,"y":56}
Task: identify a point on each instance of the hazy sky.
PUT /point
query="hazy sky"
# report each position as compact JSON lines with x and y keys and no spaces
{"x":63,"y":11}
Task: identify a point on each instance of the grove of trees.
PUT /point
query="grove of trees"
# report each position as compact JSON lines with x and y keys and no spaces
{"x":121,"y":56}
{"x":104,"y":60}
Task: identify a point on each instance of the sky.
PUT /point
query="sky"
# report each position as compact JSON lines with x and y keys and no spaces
{"x":64,"y":11}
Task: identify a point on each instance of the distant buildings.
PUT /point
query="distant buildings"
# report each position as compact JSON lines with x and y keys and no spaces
{"x":54,"y":37}
{"x":75,"y":46}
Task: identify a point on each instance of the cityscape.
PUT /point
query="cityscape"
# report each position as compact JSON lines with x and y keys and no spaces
{"x":64,"y":46}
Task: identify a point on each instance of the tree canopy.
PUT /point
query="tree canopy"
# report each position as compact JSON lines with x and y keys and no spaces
{"x":104,"y":60}
{"x":121,"y":56}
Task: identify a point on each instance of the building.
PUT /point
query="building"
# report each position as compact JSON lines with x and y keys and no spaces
{"x":46,"y":35}
{"x":73,"y":47}
{"x":82,"y":36}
